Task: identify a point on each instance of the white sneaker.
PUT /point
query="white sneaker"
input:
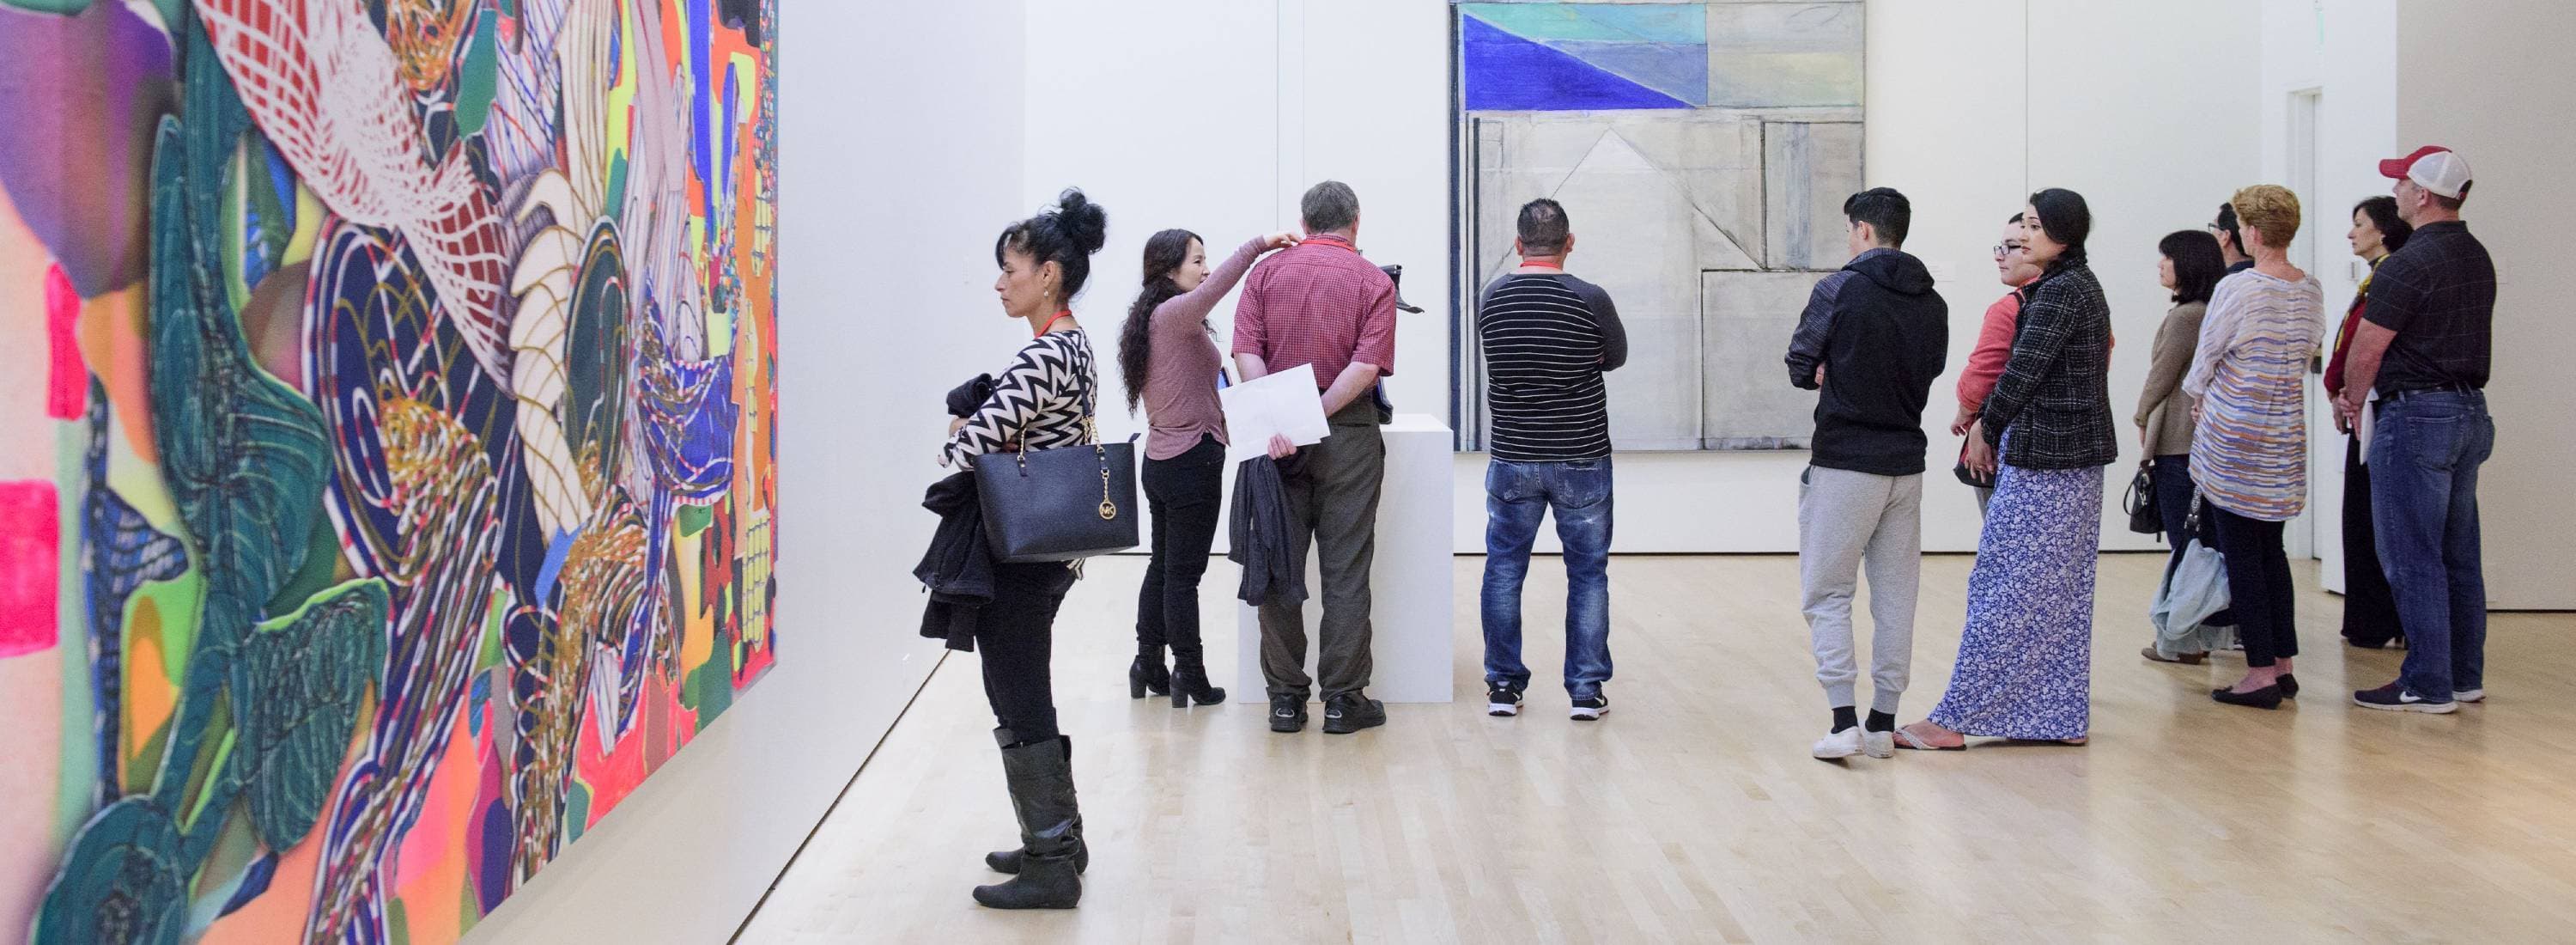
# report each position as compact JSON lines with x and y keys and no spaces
{"x":1878,"y":744}
{"x":2469,"y":695}
{"x":1842,"y":744}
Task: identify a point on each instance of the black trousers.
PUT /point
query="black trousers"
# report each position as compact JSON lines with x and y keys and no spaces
{"x":2369,"y":606}
{"x":1016,"y":636}
{"x":2258,"y":585}
{"x":1185,"y":493}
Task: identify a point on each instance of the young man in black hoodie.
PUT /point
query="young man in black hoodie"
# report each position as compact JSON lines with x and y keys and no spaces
{"x":1872,"y":339}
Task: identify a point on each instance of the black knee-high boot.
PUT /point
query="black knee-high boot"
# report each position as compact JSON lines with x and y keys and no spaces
{"x":1008,"y":861}
{"x":1040,"y":775}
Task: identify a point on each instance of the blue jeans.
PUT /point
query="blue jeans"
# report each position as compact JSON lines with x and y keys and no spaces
{"x":2424,"y":457}
{"x":1517,"y":495}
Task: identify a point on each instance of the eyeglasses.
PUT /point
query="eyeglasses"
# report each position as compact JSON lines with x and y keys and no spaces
{"x":2006,"y":249}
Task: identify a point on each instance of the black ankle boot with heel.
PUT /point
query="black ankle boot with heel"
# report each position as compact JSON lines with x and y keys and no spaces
{"x":1190,"y":683}
{"x":1148,"y":674}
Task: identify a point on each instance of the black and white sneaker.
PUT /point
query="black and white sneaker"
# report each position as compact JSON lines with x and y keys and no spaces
{"x":2469,"y":695}
{"x":1502,"y":700}
{"x":2394,"y":698}
{"x":1287,"y":713}
{"x":1587,"y":710}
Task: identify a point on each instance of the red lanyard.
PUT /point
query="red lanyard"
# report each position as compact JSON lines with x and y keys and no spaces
{"x":1535,"y":264}
{"x":1050,"y":323}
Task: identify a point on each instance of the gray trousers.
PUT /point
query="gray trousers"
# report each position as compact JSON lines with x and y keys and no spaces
{"x":1332,"y":490}
{"x":1847,"y":520}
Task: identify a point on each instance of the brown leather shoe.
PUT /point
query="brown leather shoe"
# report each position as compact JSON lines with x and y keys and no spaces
{"x":2187,"y":659}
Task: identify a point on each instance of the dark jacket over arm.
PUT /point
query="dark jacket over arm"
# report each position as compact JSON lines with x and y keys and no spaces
{"x":958,"y":568}
{"x":1259,"y":536}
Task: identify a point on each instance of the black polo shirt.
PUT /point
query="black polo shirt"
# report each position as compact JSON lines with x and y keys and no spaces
{"x":2438,"y":294}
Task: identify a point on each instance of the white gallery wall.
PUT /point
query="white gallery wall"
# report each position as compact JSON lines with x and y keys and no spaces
{"x":1216,"y":116}
{"x":901,"y":144}
{"x":2493,"y":80}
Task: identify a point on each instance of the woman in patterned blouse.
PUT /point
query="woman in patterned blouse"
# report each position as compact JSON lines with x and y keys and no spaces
{"x":2249,"y":442}
{"x":1042,"y":402}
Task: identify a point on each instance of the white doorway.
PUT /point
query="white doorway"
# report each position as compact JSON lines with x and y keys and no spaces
{"x":2317,"y":532}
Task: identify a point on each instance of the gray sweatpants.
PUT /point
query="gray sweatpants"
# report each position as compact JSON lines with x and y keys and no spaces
{"x":1845,"y":520}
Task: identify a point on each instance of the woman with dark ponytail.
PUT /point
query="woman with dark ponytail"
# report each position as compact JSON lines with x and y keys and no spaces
{"x":1044,"y":401}
{"x":2025,"y":657}
{"x":1170,"y":359}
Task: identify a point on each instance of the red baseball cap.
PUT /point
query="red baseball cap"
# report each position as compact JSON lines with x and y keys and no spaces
{"x":2432,"y":167}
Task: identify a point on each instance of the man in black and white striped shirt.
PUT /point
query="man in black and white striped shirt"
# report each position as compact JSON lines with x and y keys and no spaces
{"x":1547,"y":338}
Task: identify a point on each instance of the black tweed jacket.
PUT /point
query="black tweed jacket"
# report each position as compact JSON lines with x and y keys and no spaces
{"x":2055,"y":394}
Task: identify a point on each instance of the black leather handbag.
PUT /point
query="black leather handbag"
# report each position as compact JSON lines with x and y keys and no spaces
{"x":2145,"y":517}
{"x":1062,"y":504}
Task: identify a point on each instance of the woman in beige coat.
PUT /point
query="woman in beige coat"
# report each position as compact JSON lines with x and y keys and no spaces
{"x":2190,"y":269}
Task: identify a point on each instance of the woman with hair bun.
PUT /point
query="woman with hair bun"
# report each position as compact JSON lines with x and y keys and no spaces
{"x":1042,"y":402}
{"x":2025,"y":665}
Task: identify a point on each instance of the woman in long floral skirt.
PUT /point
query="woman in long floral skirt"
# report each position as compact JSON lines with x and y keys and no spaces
{"x":2025,"y":660}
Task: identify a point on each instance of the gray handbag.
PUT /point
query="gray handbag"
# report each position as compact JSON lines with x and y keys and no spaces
{"x":1062,"y":504}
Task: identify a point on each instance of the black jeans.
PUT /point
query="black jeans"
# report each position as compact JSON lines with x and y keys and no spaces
{"x":1185,"y":493}
{"x":2258,"y":585}
{"x":2369,"y":606}
{"x":1016,"y":635}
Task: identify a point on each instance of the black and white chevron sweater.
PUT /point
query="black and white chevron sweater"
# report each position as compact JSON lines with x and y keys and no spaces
{"x":1039,"y":403}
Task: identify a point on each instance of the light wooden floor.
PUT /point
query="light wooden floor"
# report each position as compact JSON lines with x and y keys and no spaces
{"x":1694,"y":813}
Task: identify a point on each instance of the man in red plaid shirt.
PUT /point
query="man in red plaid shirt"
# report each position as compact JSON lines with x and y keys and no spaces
{"x":1320,"y":303}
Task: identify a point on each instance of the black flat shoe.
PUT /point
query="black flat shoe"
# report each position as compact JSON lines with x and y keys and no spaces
{"x":2289,"y":686}
{"x":2268,"y":697}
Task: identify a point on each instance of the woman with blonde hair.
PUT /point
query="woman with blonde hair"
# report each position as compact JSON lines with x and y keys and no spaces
{"x":2249,"y":445}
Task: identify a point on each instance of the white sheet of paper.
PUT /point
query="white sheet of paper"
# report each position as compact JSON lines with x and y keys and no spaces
{"x":1285,"y":402}
{"x":2367,"y":424}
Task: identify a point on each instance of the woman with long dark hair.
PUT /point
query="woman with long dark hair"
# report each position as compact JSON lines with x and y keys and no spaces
{"x":2369,"y":606}
{"x":2190,"y":266}
{"x":1043,"y":401}
{"x":2025,"y":659}
{"x":1169,"y":357}
{"x":2249,"y":444}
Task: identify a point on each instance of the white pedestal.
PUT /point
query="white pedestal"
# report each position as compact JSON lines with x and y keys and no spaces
{"x":1411,"y":579}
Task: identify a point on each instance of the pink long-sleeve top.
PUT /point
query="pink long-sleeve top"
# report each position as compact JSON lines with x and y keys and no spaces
{"x":1180,"y":375}
{"x":1994,"y":347}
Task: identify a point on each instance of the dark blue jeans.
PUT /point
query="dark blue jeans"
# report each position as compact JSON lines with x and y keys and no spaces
{"x":1517,"y":495}
{"x":2424,"y":456}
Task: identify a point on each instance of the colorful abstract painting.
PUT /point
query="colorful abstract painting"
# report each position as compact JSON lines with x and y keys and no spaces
{"x":1702,"y":152}
{"x":388,"y":392}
